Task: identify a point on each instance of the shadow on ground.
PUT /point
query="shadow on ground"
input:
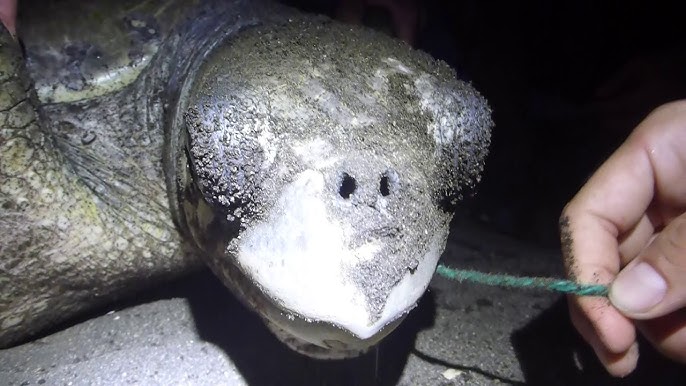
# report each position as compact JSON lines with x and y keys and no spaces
{"x":263,"y":360}
{"x":550,"y":352}
{"x":193,"y":331}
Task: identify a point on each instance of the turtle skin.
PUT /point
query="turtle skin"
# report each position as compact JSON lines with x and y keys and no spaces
{"x":152,"y":138}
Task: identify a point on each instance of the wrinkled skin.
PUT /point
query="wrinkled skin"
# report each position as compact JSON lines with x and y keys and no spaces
{"x":312,"y":165}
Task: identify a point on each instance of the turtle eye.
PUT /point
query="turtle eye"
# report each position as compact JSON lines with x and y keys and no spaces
{"x":189,"y":164}
{"x":189,"y":180}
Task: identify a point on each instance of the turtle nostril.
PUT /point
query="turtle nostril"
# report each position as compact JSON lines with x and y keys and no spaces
{"x":389,"y":182}
{"x":383,"y":186}
{"x":348,"y":186}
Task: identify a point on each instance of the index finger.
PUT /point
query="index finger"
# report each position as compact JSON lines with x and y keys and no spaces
{"x":646,"y":171}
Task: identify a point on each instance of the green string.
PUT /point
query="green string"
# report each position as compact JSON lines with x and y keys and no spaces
{"x":550,"y":284}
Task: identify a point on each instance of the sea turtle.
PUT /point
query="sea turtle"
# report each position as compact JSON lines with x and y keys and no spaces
{"x":312,"y":165}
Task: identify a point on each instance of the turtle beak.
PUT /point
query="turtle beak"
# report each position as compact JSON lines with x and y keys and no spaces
{"x":314,"y":269}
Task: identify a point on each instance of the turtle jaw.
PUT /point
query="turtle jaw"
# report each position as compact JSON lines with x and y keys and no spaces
{"x":335,"y":336}
{"x":323,"y":284}
{"x":314,"y":338}
{"x":307,"y":331}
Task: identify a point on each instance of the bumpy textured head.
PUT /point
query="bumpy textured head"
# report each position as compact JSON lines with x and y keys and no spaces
{"x":318,"y":161}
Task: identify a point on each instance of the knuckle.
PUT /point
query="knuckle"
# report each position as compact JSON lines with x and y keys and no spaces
{"x":674,"y":107}
{"x":568,"y":211}
{"x":674,"y":243}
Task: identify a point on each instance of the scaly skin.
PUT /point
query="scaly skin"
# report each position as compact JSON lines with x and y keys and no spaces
{"x":85,"y":212}
{"x":54,"y":257}
{"x":169,"y":135}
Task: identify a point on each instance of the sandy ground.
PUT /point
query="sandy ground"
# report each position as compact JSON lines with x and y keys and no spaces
{"x":192,"y":331}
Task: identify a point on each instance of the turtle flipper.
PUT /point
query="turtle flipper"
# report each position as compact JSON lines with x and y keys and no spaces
{"x":33,"y":183}
{"x":25,"y":154}
{"x":62,"y":249}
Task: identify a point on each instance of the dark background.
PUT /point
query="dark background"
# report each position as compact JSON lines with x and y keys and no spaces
{"x":567,"y":82}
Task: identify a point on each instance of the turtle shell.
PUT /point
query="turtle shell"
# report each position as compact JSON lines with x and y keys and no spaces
{"x":84,"y":49}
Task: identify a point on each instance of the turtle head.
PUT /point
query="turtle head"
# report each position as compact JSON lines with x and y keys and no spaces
{"x":319,"y":163}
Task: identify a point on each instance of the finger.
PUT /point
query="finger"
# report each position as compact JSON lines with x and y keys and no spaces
{"x":616,"y":201}
{"x":608,"y":207}
{"x":654,"y":284}
{"x":609,"y":332}
{"x":663,"y":136}
{"x":350,"y":11}
{"x":8,"y":15}
{"x":591,"y":255}
{"x":611,"y":335}
{"x":618,"y":364}
{"x":636,"y":239}
{"x":667,"y":334}
{"x":405,"y":19}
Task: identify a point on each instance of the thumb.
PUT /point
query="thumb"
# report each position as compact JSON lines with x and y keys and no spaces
{"x":654,"y":284}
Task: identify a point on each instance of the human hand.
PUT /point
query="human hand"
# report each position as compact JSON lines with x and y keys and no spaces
{"x":627,"y":226}
{"x":404,"y":15}
{"x":8,"y":15}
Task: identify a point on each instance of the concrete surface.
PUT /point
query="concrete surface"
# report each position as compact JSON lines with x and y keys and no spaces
{"x":192,"y":331}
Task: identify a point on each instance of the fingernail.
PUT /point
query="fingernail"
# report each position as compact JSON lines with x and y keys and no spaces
{"x":638,"y":289}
